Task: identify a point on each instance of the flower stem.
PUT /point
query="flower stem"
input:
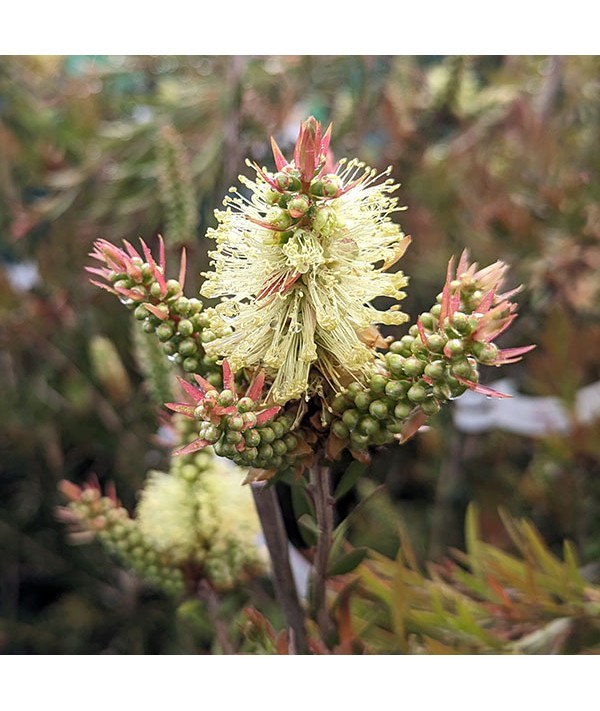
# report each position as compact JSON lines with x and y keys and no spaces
{"x":269,"y":513}
{"x":207,"y":594}
{"x":320,"y":483}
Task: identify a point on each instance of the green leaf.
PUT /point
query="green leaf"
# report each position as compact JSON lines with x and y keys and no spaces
{"x":571,"y":564}
{"x":348,"y":562}
{"x":473,"y":538}
{"x":308,"y":529}
{"x":349,"y":479}
{"x":301,"y":501}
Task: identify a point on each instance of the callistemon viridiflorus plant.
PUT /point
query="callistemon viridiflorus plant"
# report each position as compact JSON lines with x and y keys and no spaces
{"x":290,"y":362}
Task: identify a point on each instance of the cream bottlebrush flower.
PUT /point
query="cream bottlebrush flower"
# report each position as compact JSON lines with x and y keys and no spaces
{"x":210,"y":522}
{"x":299,"y":259}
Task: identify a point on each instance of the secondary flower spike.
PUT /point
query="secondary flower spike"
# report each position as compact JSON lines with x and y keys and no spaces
{"x":300,"y":256}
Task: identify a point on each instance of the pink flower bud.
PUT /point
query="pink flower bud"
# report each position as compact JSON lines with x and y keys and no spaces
{"x":311,"y":148}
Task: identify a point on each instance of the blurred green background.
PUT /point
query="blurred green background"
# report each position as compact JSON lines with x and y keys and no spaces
{"x":499,"y":154}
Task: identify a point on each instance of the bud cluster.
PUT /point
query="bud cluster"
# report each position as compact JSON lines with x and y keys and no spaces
{"x":92,"y":516}
{"x":240,"y":428}
{"x":435,"y":362}
{"x":179,"y":322}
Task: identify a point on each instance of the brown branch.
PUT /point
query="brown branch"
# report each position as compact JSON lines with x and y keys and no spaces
{"x":320,"y":485}
{"x":269,"y":513}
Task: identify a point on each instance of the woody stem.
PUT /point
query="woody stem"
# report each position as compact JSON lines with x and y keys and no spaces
{"x":271,"y":519}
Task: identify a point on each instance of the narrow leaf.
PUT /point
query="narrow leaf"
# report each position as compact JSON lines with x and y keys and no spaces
{"x":349,"y":479}
{"x":348,"y":562}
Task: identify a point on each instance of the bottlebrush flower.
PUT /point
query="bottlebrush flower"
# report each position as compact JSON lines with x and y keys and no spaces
{"x":299,"y":258}
{"x":210,"y":522}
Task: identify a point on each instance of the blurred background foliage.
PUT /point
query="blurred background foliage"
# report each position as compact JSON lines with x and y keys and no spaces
{"x":498,"y":154}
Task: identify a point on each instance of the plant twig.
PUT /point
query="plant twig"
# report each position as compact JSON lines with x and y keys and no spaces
{"x":269,"y":513}
{"x":208,"y":595}
{"x":320,"y":483}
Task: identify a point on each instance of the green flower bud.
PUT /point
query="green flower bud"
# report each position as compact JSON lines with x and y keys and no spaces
{"x":245,"y":404}
{"x":378,"y":383}
{"x":288,"y":182}
{"x":350,"y":418}
{"x":173,"y":287}
{"x":141,"y":312}
{"x":182,"y":307}
{"x":456,"y":387}
{"x":436,"y":342}
{"x":225,"y":398}
{"x":279,"y":219}
{"x":359,"y":441}
{"x":331,"y":185}
{"x":462,"y":369}
{"x":123,"y":284}
{"x":416,"y":393}
{"x":418,"y":347}
{"x":233,"y":437}
{"x":286,"y":421}
{"x":486,"y":353}
{"x":236,"y":423}
{"x":185,"y":327}
{"x":190,"y":365}
{"x":298,"y":206}
{"x":441,"y":391}
{"x":278,"y":429}
{"x":229,"y":449}
{"x":195,"y":305}
{"x":367,"y":425}
{"x":250,"y":454}
{"x":340,"y":403}
{"x":276,"y":462}
{"x":212,"y":433}
{"x":455,"y":348}
{"x":398,"y":348}
{"x":249,"y":418}
{"x":187,"y":347}
{"x":266,"y":434}
{"x":165,"y":331}
{"x":155,"y":290}
{"x":362,"y":401}
{"x":291,"y":441}
{"x":394,"y":426}
{"x":394,"y":363}
{"x":265,"y":451}
{"x":430,"y":406}
{"x":379,"y":409}
{"x":428,"y":321}
{"x":339,"y":429}
{"x":317,"y":188}
{"x":413,"y":367}
{"x":215,"y":379}
{"x":279,"y":447}
{"x":402,"y":410}
{"x":324,"y":220}
{"x":252,"y":438}
{"x":435,"y":370}
{"x":206,"y":336}
{"x":272,"y":196}
{"x":396,"y":389}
